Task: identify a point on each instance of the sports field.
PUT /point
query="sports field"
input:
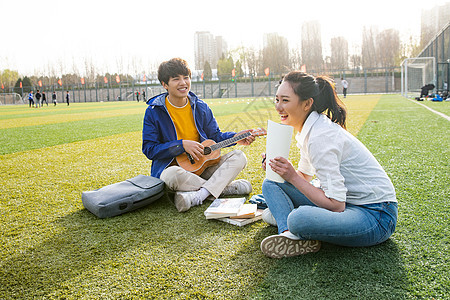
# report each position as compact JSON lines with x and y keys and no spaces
{"x":52,"y":248}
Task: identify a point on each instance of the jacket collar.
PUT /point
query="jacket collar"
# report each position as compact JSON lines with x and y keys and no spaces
{"x":160,"y":100}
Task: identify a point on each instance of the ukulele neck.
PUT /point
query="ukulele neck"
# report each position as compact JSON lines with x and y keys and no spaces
{"x":230,"y":141}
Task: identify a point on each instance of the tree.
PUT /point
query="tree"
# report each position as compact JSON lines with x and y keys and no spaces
{"x":368,"y":48}
{"x":276,"y":53}
{"x":409,"y":49}
{"x":240,"y":54}
{"x":239,"y":71}
{"x":26,"y":83}
{"x":70,"y":79}
{"x":388,"y":42}
{"x":253,"y":61}
{"x":355,"y":61}
{"x":207,"y":72}
{"x":17,"y":88}
{"x":224,"y":67}
{"x":295,"y":58}
{"x":311,"y":47}
{"x":8,"y":77}
{"x":339,"y":53}
{"x":89,"y":70}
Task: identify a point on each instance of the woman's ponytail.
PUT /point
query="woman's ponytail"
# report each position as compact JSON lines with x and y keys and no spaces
{"x":322,"y":90}
{"x":328,"y":101}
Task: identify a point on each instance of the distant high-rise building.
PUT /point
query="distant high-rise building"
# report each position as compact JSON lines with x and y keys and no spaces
{"x":433,"y":20}
{"x":208,"y":48}
{"x":221,"y":47}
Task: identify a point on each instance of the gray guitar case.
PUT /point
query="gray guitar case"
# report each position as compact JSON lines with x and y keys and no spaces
{"x":122,"y":197}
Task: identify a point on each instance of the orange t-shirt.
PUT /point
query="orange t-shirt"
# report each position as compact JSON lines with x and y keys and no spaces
{"x":183,"y":119}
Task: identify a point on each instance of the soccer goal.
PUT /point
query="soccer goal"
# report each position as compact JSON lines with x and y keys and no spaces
{"x":10,"y":98}
{"x":416,"y":73}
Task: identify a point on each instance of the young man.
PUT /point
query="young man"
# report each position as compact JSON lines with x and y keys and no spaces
{"x":31,"y":99}
{"x":54,"y":98}
{"x":67,"y":98}
{"x":344,"y":86}
{"x":177,"y":122}
{"x":44,"y":98}
{"x":38,"y":98}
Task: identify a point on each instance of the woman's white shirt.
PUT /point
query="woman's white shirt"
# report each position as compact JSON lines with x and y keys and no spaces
{"x":346,"y":169}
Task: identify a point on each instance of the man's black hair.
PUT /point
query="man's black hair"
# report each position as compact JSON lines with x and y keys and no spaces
{"x":173,"y":68}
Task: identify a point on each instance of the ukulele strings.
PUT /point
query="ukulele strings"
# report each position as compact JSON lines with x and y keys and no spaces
{"x":229,"y":141}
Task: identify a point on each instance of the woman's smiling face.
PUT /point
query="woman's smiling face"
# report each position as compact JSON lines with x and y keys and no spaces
{"x":292,"y":111}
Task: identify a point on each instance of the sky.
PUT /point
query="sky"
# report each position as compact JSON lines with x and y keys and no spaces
{"x":67,"y":35}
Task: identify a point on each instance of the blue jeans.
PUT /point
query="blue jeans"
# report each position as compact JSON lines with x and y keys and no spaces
{"x":356,"y":226}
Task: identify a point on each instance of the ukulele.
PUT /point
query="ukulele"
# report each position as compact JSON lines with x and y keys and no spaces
{"x":211,"y":153}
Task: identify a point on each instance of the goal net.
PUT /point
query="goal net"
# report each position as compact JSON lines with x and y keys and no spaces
{"x":416,"y":73}
{"x":10,"y":98}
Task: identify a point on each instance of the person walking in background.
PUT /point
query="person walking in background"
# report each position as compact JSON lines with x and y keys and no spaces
{"x":137,"y":96}
{"x":44,"y":98}
{"x":344,"y":86}
{"x":143,"y":95}
{"x":54,"y":98}
{"x":67,"y":98}
{"x":354,"y":204}
{"x":38,"y":98}
{"x":31,"y":99}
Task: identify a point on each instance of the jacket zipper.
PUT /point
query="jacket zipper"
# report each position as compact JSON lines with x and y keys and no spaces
{"x":173,"y":124}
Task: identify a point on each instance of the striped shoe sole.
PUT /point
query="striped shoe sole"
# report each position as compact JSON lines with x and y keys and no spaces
{"x":278,"y":246}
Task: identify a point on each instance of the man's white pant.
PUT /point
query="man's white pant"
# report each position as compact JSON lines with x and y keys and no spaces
{"x":214,"y":178}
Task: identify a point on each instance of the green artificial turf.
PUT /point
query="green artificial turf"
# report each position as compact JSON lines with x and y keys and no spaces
{"x":49,"y":111}
{"x":52,"y":248}
{"x":440,"y":106}
{"x":40,"y":136}
{"x":410,"y":143}
{"x":45,"y":135}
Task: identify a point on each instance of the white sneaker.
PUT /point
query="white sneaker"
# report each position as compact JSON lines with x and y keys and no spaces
{"x":268,"y":217}
{"x":290,"y":235}
{"x":238,"y":187}
{"x":287,"y":244}
{"x":185,"y":200}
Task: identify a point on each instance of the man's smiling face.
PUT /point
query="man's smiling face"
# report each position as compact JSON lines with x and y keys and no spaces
{"x":178,"y":87}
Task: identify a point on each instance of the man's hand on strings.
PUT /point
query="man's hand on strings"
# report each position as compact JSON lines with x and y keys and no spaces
{"x":195,"y":149}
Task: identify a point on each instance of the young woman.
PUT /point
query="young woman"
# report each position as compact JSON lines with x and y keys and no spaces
{"x":355,"y":204}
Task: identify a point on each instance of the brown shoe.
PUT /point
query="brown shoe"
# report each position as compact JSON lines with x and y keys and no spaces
{"x":285,"y":245}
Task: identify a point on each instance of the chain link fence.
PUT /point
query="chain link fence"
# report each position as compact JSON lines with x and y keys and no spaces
{"x":361,"y":81}
{"x":439,"y":48}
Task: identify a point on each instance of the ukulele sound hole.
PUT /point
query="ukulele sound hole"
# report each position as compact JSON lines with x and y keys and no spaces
{"x":191,"y":159}
{"x":207,"y":150}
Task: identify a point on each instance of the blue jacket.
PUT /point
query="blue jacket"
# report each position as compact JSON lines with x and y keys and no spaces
{"x":159,"y":137}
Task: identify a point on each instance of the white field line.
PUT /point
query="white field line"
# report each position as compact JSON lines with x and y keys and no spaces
{"x":432,"y":110}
